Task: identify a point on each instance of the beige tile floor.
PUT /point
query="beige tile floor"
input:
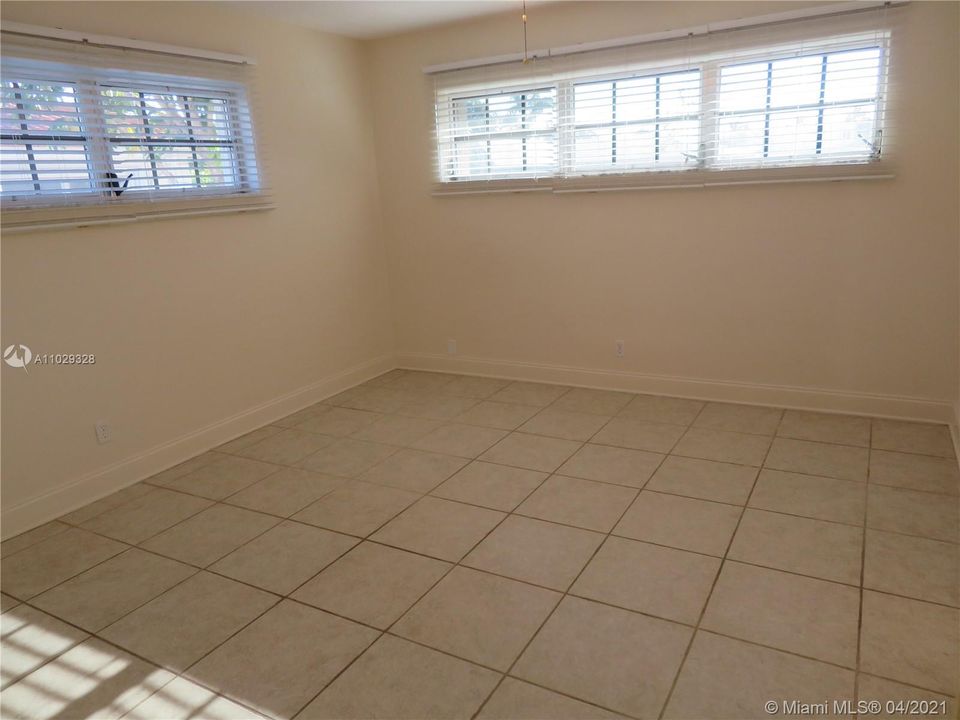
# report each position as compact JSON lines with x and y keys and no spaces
{"x":435,"y":546}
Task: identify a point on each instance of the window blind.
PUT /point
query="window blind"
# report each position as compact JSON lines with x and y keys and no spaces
{"x":90,"y":131}
{"x":806,"y":96}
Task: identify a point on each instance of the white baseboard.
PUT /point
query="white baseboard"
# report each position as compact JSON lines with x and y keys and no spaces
{"x":100,"y":483}
{"x":800,"y":398}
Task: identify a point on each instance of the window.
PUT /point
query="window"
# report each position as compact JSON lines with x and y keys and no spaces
{"x":737,"y":106}
{"x":73,"y":135}
{"x":634,"y":123}
{"x":809,"y":109}
{"x":504,"y":135}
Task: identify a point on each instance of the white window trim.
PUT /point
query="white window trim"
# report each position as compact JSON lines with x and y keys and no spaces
{"x":878,"y":166}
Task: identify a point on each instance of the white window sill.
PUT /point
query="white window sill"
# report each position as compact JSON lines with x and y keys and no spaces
{"x":672,"y":180}
{"x":77,"y":216}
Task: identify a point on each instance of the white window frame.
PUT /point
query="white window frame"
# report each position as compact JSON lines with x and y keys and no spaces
{"x":89,"y":82}
{"x":707,"y":170}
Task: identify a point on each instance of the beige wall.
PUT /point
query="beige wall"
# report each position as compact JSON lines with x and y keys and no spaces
{"x":206,"y":327}
{"x":196,"y":320}
{"x":849,"y":287}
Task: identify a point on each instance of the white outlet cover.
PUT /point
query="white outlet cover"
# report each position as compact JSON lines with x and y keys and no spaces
{"x":451,"y":347}
{"x":104,"y":431}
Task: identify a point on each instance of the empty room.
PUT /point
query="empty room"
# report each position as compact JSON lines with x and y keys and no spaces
{"x":435,"y":360}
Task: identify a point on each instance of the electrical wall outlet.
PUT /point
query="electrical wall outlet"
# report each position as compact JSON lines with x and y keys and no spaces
{"x":619,"y":348}
{"x":451,"y":347}
{"x":104,"y":432}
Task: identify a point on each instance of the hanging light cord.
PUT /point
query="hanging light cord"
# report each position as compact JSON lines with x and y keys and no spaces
{"x":524,"y":17}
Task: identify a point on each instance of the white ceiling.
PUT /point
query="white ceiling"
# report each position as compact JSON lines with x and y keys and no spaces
{"x":374,"y":18}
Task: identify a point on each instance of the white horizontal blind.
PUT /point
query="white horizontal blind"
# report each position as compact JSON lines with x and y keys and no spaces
{"x":800,"y":93}
{"x":85,"y":125}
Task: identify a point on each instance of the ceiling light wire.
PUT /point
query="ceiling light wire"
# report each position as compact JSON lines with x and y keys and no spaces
{"x":524,"y":18}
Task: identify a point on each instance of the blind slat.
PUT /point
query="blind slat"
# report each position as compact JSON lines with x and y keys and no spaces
{"x":95,"y":126}
{"x":808,"y":93}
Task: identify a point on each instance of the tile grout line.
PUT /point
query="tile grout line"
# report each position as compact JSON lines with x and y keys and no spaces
{"x":863,"y":560}
{"x":566,"y":592}
{"x":387,"y":630}
{"x":422,"y":495}
{"x":713,"y":585}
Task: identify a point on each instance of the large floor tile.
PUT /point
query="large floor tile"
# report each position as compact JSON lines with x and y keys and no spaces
{"x":233,"y":447}
{"x":802,"y":545}
{"x":286,"y":492}
{"x":617,"y":659}
{"x":29,"y":638}
{"x":422,"y":380}
{"x":582,"y":503}
{"x":222,"y":478}
{"x":114,"y":500}
{"x":537,"y":552}
{"x":282,"y":660}
{"x":183,"y":468}
{"x":899,"y":696}
{"x":183,"y":699}
{"x":618,"y":465}
{"x":91,"y":680}
{"x":814,"y":458}
{"x":107,"y":592}
{"x":7,"y":603}
{"x":494,"y":486}
{"x":595,"y":402}
{"x":913,"y":513}
{"x":723,"y":446}
{"x":822,"y":498}
{"x":913,"y":566}
{"x":436,"y":407}
{"x":139,"y":519}
{"x":465,"y":441}
{"x":185,"y":623}
{"x":284,"y":557}
{"x":286,"y":448}
{"x":726,"y":678}
{"x":504,"y":416}
{"x":915,"y":472}
{"x":478,"y":617}
{"x":810,"y":617}
{"x":910,"y":641}
{"x":656,"y":408}
{"x":376,"y":400}
{"x":48,"y":563}
{"x":339,"y":422}
{"x":656,"y":580}
{"x":209,"y":535}
{"x":373,"y":583}
{"x":396,"y":430}
{"x":399,"y":680}
{"x":637,"y":435}
{"x":528,"y":393}
{"x":531,"y":452}
{"x":294,"y":419}
{"x":357,"y":508}
{"x":564,"y":424}
{"x":739,"y":418}
{"x":684,"y":523}
{"x":439,"y":528}
{"x":704,"y":479}
{"x":474,"y":387}
{"x":517,"y":699}
{"x":348,"y":458}
{"x":32,"y":537}
{"x":825,"y":427}
{"x":911,"y":437}
{"x":414,"y":470}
